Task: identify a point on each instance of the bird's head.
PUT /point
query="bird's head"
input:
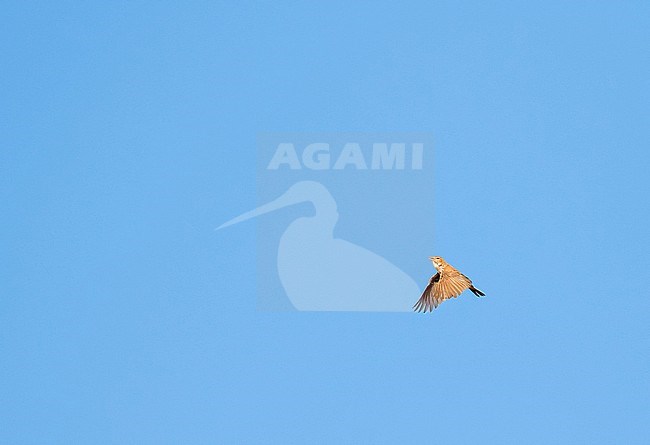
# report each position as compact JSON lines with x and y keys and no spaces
{"x":438,"y":262}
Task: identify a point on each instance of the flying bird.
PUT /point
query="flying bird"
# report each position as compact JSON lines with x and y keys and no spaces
{"x":447,"y":283}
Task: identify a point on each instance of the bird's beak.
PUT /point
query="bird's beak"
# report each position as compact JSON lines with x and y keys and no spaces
{"x":278,"y":203}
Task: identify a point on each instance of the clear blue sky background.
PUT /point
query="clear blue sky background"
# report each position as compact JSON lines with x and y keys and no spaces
{"x":127,"y":134}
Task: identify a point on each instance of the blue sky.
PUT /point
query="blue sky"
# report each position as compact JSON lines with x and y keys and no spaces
{"x":128,"y":134}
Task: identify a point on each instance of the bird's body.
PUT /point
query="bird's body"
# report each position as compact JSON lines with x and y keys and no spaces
{"x":447,"y":283}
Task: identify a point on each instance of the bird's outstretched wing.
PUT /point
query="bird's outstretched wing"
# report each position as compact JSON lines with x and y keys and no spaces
{"x":427,"y":301}
{"x":442,"y":287}
{"x":453,"y":283}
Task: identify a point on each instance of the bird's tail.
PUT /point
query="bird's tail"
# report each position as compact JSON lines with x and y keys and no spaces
{"x":477,"y":292}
